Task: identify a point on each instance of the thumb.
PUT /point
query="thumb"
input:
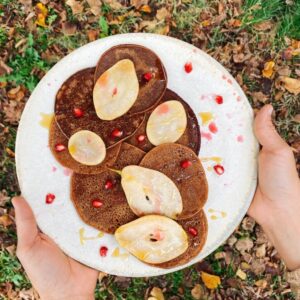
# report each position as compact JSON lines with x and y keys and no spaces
{"x":26,"y":225}
{"x":265,"y":131}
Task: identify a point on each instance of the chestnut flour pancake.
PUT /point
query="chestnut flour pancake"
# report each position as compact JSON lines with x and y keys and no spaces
{"x":199,"y":226}
{"x":190,"y":181}
{"x":190,"y":138}
{"x":56,"y":137}
{"x":115,"y":211}
{"x":145,"y":62}
{"x":77,"y":93}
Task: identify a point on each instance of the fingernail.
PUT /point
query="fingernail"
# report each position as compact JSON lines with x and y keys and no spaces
{"x":270,"y":109}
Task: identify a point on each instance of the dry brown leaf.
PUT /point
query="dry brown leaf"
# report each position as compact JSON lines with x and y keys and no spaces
{"x":10,"y":152}
{"x":263,"y":26}
{"x":244,"y":245}
{"x":4,"y":68}
{"x":68,"y":28}
{"x":156,"y":294}
{"x":262,"y":283}
{"x":162,"y":14}
{"x":197,"y":292}
{"x":268,"y":69}
{"x":210,"y":281}
{"x":241,"y":274}
{"x":27,"y":5}
{"x":248,"y":224}
{"x":284,"y":71}
{"x":297,"y":118}
{"x":220,"y":255}
{"x":95,"y":6}
{"x":146,"y":9}
{"x":291,"y":84}
{"x":259,"y":97}
{"x":261,"y":251}
{"x":75,"y":6}
{"x":5,"y":220}
{"x":12,"y":111}
{"x":93,"y":35}
{"x":138,"y":3}
{"x":235,"y":23}
{"x":101,"y":276}
{"x":114,"y":4}
{"x":3,"y":197}
{"x":148,"y":25}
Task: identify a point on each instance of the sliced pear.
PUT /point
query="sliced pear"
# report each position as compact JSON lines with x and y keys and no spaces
{"x":166,"y":123}
{"x":153,"y":239}
{"x":151,"y":192}
{"x":116,"y":90}
{"x":87,"y":148}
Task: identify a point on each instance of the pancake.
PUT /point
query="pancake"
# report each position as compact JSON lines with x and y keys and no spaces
{"x":196,"y":243}
{"x":190,"y":181}
{"x":56,"y":137}
{"x":145,"y":61}
{"x":77,"y":93}
{"x":115,"y":211}
{"x":190,"y":138}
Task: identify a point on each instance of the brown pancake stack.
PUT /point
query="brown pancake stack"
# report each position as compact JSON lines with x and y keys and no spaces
{"x":96,"y":190}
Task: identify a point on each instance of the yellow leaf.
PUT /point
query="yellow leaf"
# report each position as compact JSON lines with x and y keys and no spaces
{"x":197,"y":292}
{"x":145,"y":9}
{"x":268,"y":69}
{"x":5,"y":220}
{"x":291,"y":84}
{"x":241,"y":274}
{"x":210,"y":281}
{"x":206,"y":23}
{"x":42,"y":13}
{"x":156,"y":294}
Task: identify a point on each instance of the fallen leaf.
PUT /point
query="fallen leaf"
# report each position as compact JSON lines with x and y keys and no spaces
{"x":245,"y":266}
{"x":291,"y":84}
{"x":232,"y":240}
{"x":4,"y":68}
{"x":162,"y":14}
{"x":210,"y":281}
{"x":220,"y":255}
{"x":241,"y":274}
{"x":68,"y":28}
{"x":101,"y":276}
{"x":197,"y":292}
{"x":93,"y":35}
{"x":12,"y":111}
{"x":263,"y":26}
{"x":262,"y":283}
{"x":75,"y":6}
{"x":297,"y":118}
{"x":259,"y":97}
{"x":41,"y":12}
{"x":258,"y":266}
{"x":95,"y":6}
{"x":138,"y":3}
{"x":244,"y":244}
{"x":235,"y":23}
{"x":205,"y":23}
{"x":146,"y":9}
{"x":27,"y":5}
{"x":3,"y":197}
{"x":5,"y":220}
{"x":114,"y":4}
{"x":284,"y":71}
{"x":261,"y":251}
{"x":268,"y":69}
{"x":148,"y":25}
{"x":10,"y":152}
{"x":248,"y":224}
{"x":156,"y":294}
{"x":11,"y":249}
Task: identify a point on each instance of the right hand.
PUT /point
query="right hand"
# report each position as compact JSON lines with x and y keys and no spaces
{"x":276,"y":204}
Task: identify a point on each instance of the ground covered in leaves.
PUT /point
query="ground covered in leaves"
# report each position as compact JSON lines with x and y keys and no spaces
{"x":258,"y":41}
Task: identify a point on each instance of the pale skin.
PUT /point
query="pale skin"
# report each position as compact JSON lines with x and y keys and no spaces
{"x":276,"y":207}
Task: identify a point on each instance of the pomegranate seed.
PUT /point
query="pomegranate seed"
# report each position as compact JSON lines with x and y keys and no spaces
{"x":97,"y":203}
{"x":78,"y":113}
{"x":141,"y":138}
{"x":60,"y":147}
{"x":117,"y":133}
{"x":219,"y":99}
{"x":219,"y":169}
{"x":193,"y":231}
{"x":188,"y":67}
{"x":213,"y":127}
{"x":103,"y":251}
{"x":108,"y":185}
{"x":50,"y":198}
{"x":185,"y":164}
{"x":148,"y":76}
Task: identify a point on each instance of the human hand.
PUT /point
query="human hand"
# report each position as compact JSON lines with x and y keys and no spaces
{"x":276,"y":204}
{"x":53,"y":274}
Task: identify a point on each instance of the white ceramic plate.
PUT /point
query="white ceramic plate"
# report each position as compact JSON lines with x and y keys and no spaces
{"x":234,"y":146}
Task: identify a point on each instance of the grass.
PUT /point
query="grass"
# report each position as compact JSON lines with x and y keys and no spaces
{"x":10,"y":270}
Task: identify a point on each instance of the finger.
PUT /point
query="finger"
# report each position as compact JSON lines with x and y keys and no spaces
{"x":26,"y":225}
{"x":266,"y":132}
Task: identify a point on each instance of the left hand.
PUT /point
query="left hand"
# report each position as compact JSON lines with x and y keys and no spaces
{"x":53,"y":274}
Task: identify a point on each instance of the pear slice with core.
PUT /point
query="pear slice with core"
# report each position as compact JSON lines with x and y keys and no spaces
{"x":116,"y":90}
{"x":87,"y":148}
{"x":150,"y":192}
{"x":166,"y":123}
{"x":153,"y":239}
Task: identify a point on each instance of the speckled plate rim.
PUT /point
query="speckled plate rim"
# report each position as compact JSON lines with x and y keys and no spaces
{"x":152,"y":41}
